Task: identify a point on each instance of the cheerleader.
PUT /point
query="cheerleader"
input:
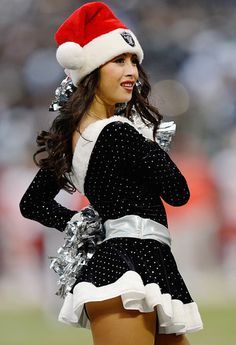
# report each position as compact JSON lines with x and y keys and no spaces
{"x":130,"y":292}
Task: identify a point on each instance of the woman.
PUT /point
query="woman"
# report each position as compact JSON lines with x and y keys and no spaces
{"x":130,"y":291}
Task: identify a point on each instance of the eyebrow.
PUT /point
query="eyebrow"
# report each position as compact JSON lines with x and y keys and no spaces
{"x":125,"y":54}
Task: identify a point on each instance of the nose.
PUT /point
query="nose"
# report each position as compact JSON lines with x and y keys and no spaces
{"x":130,"y":69}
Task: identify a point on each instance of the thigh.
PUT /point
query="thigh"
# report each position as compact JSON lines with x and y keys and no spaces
{"x":112,"y":324}
{"x":171,"y":339}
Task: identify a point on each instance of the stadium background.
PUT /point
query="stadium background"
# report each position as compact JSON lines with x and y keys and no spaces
{"x":190,"y":57}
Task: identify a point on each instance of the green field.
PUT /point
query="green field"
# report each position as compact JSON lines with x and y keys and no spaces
{"x":31,"y":327}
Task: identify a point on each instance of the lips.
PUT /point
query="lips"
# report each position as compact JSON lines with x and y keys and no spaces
{"x":127,"y":85}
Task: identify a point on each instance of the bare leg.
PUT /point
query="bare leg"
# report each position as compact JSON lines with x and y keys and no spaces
{"x":112,"y":324}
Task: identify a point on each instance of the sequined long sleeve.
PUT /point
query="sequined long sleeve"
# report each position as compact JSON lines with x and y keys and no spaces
{"x":146,"y":159}
{"x":38,"y":202}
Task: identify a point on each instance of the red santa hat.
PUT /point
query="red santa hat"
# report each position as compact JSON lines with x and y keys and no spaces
{"x":90,"y":37}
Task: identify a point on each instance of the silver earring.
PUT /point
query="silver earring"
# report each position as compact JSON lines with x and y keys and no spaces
{"x":138,"y":85}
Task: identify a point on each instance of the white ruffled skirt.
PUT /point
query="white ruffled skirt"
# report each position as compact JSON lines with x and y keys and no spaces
{"x":118,"y":268}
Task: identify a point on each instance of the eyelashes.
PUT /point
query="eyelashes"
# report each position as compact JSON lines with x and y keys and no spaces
{"x":122,"y":60}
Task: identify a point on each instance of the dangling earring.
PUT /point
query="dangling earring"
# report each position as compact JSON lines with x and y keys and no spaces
{"x":138,"y":85}
{"x":134,"y":112}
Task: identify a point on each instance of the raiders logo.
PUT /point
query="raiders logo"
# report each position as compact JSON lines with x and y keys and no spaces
{"x":128,"y":38}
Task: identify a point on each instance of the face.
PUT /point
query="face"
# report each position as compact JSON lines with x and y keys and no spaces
{"x":117,"y":79}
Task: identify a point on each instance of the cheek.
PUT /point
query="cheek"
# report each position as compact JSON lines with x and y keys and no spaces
{"x":105,"y":87}
{"x":110,"y":74}
{"x":109,"y":82}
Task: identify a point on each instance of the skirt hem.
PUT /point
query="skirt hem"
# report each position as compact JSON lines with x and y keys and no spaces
{"x":174,"y":316}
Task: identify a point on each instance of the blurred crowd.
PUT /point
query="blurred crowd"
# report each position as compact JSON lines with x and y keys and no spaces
{"x":190,"y":57}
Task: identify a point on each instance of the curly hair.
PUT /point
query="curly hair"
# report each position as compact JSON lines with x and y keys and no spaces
{"x":57,"y":142}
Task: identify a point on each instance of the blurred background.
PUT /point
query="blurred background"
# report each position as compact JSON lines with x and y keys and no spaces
{"x":190,"y":57}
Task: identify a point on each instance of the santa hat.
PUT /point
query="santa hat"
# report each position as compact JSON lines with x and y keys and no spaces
{"x":90,"y":37}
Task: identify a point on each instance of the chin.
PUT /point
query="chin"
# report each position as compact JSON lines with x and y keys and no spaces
{"x":124,"y":99}
{"x":121,"y":99}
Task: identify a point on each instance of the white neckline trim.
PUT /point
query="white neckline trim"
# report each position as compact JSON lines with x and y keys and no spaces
{"x":84,"y":148}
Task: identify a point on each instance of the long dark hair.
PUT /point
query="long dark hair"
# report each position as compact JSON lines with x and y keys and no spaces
{"x":57,"y":142}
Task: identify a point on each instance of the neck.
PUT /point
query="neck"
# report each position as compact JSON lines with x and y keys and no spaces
{"x":100,"y":109}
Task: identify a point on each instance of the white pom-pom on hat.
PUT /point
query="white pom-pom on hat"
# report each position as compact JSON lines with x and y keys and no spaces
{"x":70,"y":55}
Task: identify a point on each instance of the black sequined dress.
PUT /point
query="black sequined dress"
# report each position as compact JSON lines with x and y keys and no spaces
{"x":122,"y":174}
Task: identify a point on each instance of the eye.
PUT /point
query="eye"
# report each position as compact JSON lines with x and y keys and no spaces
{"x":135,"y":61}
{"x":119,"y":60}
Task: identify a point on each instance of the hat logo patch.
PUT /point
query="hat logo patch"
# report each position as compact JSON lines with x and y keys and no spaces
{"x":128,"y":38}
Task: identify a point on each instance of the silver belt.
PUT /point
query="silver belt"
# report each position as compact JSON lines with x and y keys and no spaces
{"x":138,"y":227}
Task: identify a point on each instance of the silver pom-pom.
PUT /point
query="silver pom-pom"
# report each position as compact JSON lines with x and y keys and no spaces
{"x":81,"y":238}
{"x":62,"y":94}
{"x":164,"y":134}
